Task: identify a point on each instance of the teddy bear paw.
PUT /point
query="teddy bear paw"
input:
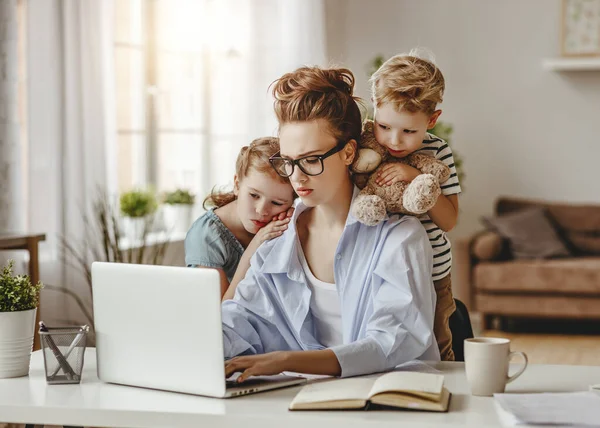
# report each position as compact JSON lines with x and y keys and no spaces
{"x":368,"y":209}
{"x":421,"y":195}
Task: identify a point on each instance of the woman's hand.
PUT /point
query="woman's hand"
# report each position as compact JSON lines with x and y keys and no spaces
{"x":256,"y":365}
{"x":394,"y":172}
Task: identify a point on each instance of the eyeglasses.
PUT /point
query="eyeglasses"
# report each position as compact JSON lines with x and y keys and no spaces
{"x":310,"y":165}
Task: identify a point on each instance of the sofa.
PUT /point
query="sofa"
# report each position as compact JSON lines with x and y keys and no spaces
{"x":491,"y":281}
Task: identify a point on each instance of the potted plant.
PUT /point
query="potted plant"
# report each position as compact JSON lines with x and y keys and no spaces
{"x":137,"y":206}
{"x":19,"y":300}
{"x":177,"y":210}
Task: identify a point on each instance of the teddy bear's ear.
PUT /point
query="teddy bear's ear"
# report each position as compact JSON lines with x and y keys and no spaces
{"x":368,"y":126}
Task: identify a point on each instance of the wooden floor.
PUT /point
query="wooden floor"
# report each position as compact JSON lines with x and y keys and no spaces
{"x":554,"y":348}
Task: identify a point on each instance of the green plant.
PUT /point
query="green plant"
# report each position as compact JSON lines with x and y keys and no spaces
{"x":138,"y":203}
{"x":441,"y":129}
{"x":179,"y":196}
{"x":17,"y":293}
{"x":101,"y":242}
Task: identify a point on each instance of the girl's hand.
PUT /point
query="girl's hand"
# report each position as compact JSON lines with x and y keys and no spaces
{"x":395,"y":172}
{"x":256,"y":365}
{"x":284,"y":214}
{"x":272,"y":230}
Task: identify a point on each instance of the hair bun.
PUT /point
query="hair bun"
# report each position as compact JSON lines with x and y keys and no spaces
{"x":315,"y":80}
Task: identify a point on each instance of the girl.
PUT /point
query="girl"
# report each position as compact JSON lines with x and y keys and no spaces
{"x":331,"y":296}
{"x":258,"y":209}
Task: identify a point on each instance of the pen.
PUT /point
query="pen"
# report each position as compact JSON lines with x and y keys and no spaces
{"x":64,"y":364}
{"x":83,"y":331}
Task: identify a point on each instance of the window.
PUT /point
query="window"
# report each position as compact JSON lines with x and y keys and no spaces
{"x":183,"y":81}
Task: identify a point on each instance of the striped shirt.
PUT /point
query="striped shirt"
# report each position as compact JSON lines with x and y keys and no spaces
{"x":442,"y":250}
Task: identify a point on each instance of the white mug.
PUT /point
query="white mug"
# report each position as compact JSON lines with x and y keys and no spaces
{"x":486,"y":364}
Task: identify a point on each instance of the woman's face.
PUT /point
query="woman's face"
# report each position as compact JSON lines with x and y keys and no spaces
{"x":260,"y":197}
{"x":300,"y":139}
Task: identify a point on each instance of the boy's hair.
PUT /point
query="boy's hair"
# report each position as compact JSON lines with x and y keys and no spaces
{"x":254,"y":156}
{"x":408,"y":82}
{"x":311,"y":93}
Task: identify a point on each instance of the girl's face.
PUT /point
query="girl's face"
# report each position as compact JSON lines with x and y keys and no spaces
{"x":402,"y":132}
{"x":300,"y":139}
{"x":260,"y":197}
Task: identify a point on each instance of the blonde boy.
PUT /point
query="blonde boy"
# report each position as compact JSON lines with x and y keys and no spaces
{"x":405,"y":93}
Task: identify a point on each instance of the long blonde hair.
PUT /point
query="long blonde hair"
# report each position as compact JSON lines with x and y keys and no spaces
{"x":254,"y":156}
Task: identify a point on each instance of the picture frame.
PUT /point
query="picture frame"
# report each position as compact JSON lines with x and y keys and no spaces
{"x":580,"y":28}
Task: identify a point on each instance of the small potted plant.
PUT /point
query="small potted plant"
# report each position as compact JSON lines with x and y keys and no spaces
{"x":177,"y":210}
{"x":137,"y":207}
{"x":19,"y":299}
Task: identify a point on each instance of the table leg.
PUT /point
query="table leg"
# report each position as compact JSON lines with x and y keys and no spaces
{"x":34,"y":274}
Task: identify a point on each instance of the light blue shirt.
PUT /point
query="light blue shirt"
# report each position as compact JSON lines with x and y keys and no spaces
{"x":383,"y":278}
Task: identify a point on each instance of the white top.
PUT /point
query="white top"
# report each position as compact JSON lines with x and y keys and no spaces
{"x":30,"y":399}
{"x":324,"y":306}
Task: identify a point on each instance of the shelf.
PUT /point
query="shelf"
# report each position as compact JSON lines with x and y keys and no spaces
{"x":153,"y":238}
{"x":572,"y":64}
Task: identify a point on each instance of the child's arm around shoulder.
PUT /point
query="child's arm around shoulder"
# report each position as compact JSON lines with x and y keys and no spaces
{"x":272,"y":230}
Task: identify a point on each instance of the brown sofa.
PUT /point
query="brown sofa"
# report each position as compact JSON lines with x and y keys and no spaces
{"x":566,"y":287}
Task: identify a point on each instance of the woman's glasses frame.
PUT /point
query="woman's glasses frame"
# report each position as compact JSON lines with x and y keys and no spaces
{"x":278,"y":159}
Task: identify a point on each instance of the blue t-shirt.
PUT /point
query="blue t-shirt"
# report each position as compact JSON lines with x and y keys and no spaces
{"x":210,"y":243}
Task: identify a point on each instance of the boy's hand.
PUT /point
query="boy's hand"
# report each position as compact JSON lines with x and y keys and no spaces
{"x":394,"y":172}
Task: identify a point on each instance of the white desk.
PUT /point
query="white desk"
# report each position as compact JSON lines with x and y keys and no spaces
{"x":93,"y":403}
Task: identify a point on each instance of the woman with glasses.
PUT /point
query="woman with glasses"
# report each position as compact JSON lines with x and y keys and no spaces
{"x":331,"y":295}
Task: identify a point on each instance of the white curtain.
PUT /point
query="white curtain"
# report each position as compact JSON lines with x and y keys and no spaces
{"x":71,"y":131}
{"x":72,"y":144}
{"x":251,"y":44}
{"x":11,"y":122}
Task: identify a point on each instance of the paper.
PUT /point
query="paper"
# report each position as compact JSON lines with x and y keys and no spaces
{"x":417,"y":366}
{"x":569,"y":408}
{"x":339,"y":390}
{"x":408,"y":381}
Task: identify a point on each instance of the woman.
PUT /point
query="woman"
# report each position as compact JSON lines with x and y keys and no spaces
{"x":331,"y":295}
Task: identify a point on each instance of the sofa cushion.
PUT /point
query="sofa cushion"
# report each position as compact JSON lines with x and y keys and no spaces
{"x":584,"y":243}
{"x":488,"y":245}
{"x":530,"y":233}
{"x":562,"y":276}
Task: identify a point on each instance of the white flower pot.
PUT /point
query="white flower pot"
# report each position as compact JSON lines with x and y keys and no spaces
{"x":177,"y":218}
{"x":133,"y":228}
{"x":16,"y":341}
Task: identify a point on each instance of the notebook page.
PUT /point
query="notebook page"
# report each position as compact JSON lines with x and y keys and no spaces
{"x":335,"y":390}
{"x":408,"y":381}
{"x":569,"y":408}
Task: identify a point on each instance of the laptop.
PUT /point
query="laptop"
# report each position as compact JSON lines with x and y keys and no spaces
{"x":160,"y":327}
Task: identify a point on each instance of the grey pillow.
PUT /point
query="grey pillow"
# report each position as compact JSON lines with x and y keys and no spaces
{"x":530,"y":233}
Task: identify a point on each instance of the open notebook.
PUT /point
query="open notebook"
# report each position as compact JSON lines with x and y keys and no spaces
{"x":404,"y":390}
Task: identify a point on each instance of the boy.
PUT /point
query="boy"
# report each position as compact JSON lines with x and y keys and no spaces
{"x":406,"y":90}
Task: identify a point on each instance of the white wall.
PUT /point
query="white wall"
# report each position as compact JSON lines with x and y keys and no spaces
{"x":521,"y":130}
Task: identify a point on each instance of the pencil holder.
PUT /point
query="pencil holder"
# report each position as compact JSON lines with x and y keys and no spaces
{"x":63,"y":348}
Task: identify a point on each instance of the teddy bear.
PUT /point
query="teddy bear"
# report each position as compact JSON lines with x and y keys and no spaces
{"x":374,"y":200}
